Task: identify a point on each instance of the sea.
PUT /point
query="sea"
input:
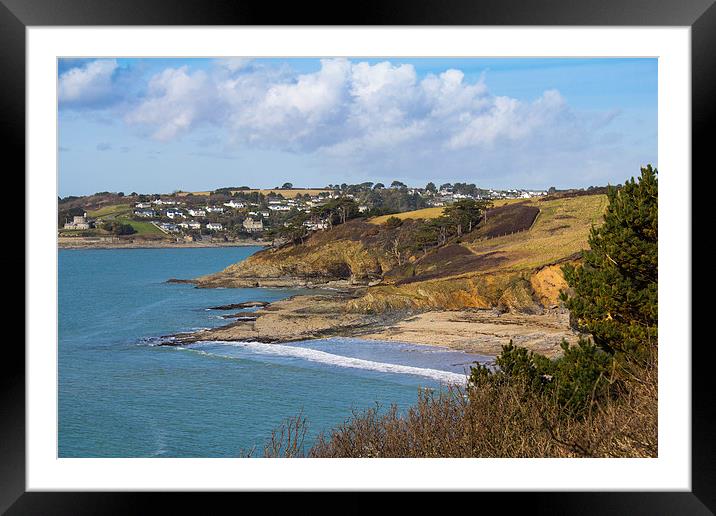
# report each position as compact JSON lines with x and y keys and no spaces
{"x":120,"y":394}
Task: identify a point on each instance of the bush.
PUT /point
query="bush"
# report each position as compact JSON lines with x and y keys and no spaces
{"x":576,"y":381}
{"x":393,"y":222}
{"x":117,"y":228}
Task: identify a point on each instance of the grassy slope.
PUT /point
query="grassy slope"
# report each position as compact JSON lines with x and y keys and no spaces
{"x":425,"y":213}
{"x":515,"y":270}
{"x":120,"y":213}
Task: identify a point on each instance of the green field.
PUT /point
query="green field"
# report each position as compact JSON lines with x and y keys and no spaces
{"x":111,"y":211}
{"x":121,"y":213}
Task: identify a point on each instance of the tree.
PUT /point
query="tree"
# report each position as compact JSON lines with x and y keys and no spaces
{"x":465,"y":214}
{"x":294,"y":230}
{"x":378,"y":186}
{"x":430,"y":187}
{"x":398,"y":184}
{"x":287,"y":186}
{"x":614,"y":292}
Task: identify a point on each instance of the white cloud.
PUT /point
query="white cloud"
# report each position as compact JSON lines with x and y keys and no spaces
{"x":176,"y":101}
{"x":355,"y":115}
{"x":87,"y":85}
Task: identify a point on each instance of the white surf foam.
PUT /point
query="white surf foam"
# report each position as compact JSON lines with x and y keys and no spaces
{"x":323,"y":357}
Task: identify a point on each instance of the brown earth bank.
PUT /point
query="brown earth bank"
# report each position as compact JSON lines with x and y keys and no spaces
{"x":327,"y":314}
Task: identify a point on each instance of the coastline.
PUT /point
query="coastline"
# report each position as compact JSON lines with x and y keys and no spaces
{"x":76,"y":243}
{"x":323,"y":315}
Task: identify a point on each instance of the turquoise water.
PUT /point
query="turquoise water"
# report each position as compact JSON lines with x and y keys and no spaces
{"x":120,"y":395}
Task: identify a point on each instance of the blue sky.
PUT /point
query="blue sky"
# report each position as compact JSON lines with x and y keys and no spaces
{"x":159,"y":125}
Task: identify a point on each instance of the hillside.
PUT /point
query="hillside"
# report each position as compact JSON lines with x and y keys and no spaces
{"x":511,"y":261}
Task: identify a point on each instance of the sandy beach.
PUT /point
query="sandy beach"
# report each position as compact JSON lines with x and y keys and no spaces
{"x":324,"y":315}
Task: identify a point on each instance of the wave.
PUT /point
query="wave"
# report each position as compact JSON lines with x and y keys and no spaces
{"x":313,"y":355}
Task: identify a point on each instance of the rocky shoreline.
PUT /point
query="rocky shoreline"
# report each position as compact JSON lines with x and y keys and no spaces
{"x":325,"y":314}
{"x":91,"y":243}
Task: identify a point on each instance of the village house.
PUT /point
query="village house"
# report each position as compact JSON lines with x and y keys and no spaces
{"x":142,"y":205}
{"x":172,"y":214}
{"x":362,"y":208}
{"x":78,"y":222}
{"x":145,"y":213}
{"x":192,"y":224}
{"x":279,"y":207}
{"x":214,"y":209}
{"x":214,"y":226}
{"x":168,"y":227}
{"x":234,"y":204}
{"x":316,"y":225}
{"x":162,"y":201}
{"x":252,"y":226}
{"x":197,"y":213}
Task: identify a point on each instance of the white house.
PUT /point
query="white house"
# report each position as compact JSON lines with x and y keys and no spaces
{"x":214,"y":226}
{"x":162,"y":201}
{"x":142,"y":205}
{"x":362,"y":208}
{"x":234,"y":204}
{"x":192,"y":224}
{"x":172,"y":214}
{"x":197,"y":213}
{"x":316,"y":225}
{"x":167,"y":226}
{"x":214,"y":209}
{"x":279,"y":208}
{"x":145,"y":213}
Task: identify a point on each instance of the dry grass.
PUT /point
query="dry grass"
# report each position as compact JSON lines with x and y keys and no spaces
{"x":560,"y":230}
{"x":425,"y":213}
{"x":496,"y":419}
{"x":111,"y":211}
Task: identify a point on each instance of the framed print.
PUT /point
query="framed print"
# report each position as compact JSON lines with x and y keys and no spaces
{"x":417,"y":250}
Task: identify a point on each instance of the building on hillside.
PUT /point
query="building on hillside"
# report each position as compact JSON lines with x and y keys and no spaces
{"x":78,"y":222}
{"x":315,"y":225}
{"x":192,"y":224}
{"x":235,"y":204}
{"x":362,"y":208}
{"x":253,"y":226}
{"x":197,"y":213}
{"x":169,"y":227}
{"x":163,"y":201}
{"x":214,"y":226}
{"x":214,"y":209}
{"x":145,"y":213}
{"x":279,"y":207}
{"x":173,"y":214}
{"x":143,"y":205}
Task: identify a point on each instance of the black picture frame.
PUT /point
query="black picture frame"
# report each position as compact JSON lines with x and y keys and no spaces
{"x":700,"y":15}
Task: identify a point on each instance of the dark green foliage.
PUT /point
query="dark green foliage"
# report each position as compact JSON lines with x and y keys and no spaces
{"x":613,"y":297}
{"x":576,"y":380}
{"x":614,"y":292}
{"x":465,"y":214}
{"x":117,"y":228}
{"x":393,"y":222}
